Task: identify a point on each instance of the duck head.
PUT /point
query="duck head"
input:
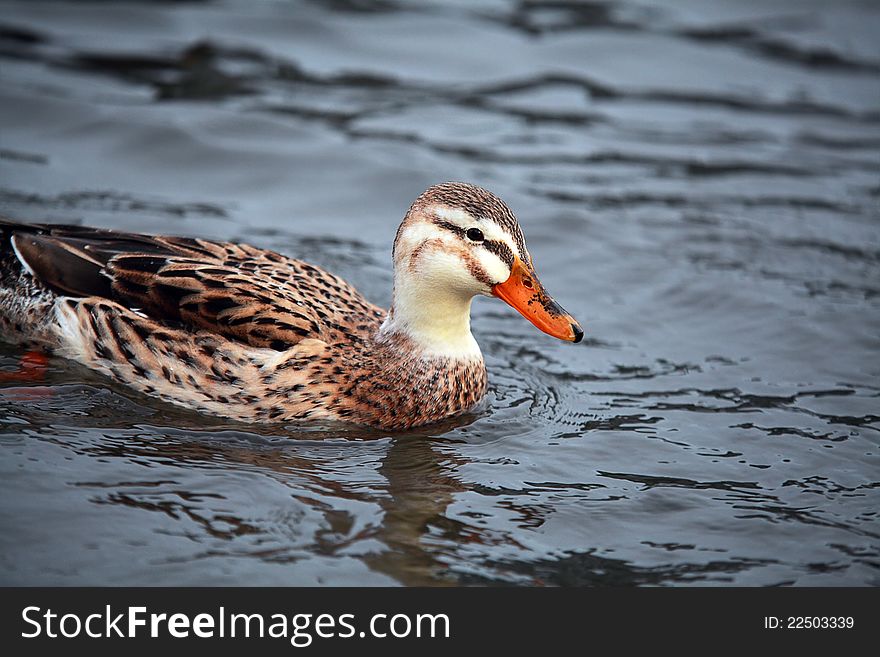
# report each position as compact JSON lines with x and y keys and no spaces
{"x":457,"y":241}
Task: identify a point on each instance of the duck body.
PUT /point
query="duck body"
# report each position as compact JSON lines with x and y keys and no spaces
{"x":250,"y":334}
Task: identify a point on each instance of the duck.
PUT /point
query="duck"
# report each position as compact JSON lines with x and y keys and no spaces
{"x":252,"y":335}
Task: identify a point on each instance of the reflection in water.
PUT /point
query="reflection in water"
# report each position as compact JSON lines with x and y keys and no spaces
{"x":412,"y":488}
{"x":420,"y":487}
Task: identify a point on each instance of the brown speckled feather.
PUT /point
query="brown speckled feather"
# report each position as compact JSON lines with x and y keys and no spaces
{"x":248,"y":333}
{"x":250,"y":295}
{"x":224,"y":328}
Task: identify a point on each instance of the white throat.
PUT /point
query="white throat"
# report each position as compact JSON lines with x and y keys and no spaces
{"x":438,"y":320}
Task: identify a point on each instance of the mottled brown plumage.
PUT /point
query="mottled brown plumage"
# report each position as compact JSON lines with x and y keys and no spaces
{"x":251,"y":334}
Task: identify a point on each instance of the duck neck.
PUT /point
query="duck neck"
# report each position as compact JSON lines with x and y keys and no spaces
{"x":436,"y":320}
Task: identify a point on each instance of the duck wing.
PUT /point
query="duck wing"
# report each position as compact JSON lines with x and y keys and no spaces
{"x":250,"y":295}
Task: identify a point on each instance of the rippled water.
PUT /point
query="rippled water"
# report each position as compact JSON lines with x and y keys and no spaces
{"x":698,"y":183}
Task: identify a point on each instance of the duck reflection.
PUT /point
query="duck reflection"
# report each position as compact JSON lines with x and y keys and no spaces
{"x":404,"y":482}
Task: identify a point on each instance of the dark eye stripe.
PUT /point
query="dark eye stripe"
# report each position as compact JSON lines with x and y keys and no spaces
{"x":448,"y":225}
{"x":501,"y":250}
{"x":498,"y":248}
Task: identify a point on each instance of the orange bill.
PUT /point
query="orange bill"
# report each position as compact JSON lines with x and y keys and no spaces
{"x":524,"y":292}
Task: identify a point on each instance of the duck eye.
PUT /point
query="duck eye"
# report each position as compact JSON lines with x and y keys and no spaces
{"x":474,"y":234}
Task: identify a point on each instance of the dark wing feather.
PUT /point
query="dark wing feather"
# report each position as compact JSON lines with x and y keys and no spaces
{"x":61,"y":266}
{"x":243,"y":293}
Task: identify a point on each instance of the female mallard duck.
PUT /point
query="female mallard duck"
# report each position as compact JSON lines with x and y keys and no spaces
{"x":250,"y":334}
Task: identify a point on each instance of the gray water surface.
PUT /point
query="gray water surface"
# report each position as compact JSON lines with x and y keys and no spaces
{"x":699,"y":184}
